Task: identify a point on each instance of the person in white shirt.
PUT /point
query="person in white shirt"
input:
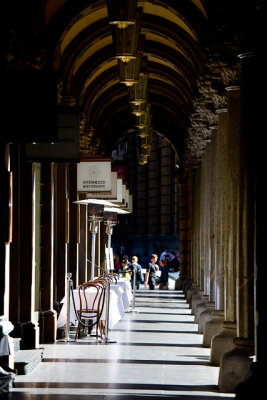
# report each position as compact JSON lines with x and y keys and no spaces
{"x":164,"y":254}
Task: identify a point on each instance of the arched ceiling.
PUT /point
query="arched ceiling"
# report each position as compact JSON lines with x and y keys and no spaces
{"x":172,"y":34}
{"x":188,"y":50}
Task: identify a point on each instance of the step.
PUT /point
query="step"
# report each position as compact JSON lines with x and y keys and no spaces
{"x":16,"y":342}
{"x":26,"y":360}
{"x":5,"y":385}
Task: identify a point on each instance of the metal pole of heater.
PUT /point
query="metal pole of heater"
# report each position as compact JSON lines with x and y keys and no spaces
{"x":93,"y":227}
{"x":134,"y":289}
{"x":68,"y":289}
{"x":109,"y":230}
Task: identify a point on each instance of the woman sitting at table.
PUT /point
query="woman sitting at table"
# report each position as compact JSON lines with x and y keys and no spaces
{"x":125,"y":271}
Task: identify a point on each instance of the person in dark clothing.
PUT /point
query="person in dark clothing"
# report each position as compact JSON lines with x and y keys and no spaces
{"x":150,"y":277}
{"x":164,"y":275}
{"x":174,"y":263}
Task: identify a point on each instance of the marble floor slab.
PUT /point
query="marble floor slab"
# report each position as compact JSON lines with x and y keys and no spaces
{"x":155,"y":352}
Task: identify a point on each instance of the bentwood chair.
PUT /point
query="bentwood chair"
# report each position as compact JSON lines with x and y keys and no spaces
{"x":103,"y":281}
{"x":90,"y":305}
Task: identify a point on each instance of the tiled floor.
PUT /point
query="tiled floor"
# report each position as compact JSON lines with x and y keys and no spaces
{"x":155,"y":353}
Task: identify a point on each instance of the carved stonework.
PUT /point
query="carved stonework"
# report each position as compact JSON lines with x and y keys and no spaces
{"x":212,"y":96}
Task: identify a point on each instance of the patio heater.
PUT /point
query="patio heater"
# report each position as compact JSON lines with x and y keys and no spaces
{"x":110,"y":220}
{"x":95,"y":215}
{"x":95,"y":212}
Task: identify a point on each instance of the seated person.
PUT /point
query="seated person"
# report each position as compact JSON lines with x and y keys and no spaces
{"x":5,"y":328}
{"x":125,"y":272}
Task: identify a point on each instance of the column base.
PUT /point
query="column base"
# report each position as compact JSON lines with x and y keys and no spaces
{"x":213,"y":327}
{"x":254,"y":379}
{"x":187,"y":286}
{"x":202,"y":307}
{"x":205,"y":316}
{"x":30,"y":335}
{"x":49,"y":326}
{"x":180,"y":283}
{"x":235,"y":365}
{"x":197,"y":299}
{"x":190,"y":293}
{"x":222,"y":343}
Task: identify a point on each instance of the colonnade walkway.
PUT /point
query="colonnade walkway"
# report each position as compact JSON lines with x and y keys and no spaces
{"x":153,"y":353}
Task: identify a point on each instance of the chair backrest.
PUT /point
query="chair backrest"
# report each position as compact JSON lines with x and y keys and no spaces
{"x":94,"y":306}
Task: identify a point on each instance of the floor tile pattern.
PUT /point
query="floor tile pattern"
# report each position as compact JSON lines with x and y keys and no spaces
{"x":155,"y":352}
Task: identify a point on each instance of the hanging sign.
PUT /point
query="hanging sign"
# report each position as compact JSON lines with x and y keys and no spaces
{"x":119,"y":192}
{"x":94,"y":176}
{"x":112,"y":195}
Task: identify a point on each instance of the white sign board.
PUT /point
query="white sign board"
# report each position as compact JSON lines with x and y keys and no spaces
{"x":106,"y":195}
{"x":94,"y":176}
{"x":119,"y":191}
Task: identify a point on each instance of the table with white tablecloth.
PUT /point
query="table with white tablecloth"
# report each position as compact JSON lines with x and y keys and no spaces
{"x":127,"y":295}
{"x":120,"y":298}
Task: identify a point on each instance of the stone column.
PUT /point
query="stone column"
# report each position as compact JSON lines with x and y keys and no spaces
{"x":204,"y":310}
{"x":220,"y":208}
{"x":185,"y":191}
{"x":212,"y":211}
{"x":214,"y":326}
{"x":48,"y":316}
{"x":233,"y":162}
{"x":14,"y":300}
{"x":224,"y":341}
{"x":59,"y":232}
{"x":5,"y":236}
{"x":212,"y":317}
{"x":192,"y":292}
{"x":73,"y":236}
{"x":29,"y":326}
{"x":235,"y":363}
{"x":196,"y":229}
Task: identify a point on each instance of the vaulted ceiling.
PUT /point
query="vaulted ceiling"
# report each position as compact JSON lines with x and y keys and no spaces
{"x":189,"y":53}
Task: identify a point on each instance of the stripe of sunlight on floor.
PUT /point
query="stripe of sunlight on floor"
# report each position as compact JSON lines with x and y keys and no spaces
{"x":154,"y":352}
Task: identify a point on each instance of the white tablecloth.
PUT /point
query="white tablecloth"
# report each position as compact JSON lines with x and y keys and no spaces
{"x":127,"y":295}
{"x":120,"y":297}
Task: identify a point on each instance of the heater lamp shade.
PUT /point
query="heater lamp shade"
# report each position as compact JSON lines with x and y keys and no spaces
{"x":110,"y":217}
